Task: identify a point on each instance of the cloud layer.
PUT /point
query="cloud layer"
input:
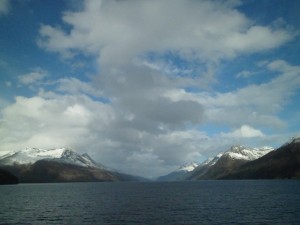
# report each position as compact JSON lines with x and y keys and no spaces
{"x":137,"y":113}
{"x":204,"y":30}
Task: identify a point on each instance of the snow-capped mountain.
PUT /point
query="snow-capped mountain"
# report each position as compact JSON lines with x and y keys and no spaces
{"x":180,"y":173}
{"x":294,"y":140}
{"x":32,"y":155}
{"x":201,"y":169}
{"x":212,"y":161}
{"x":58,"y":165}
{"x":216,"y":166}
{"x":245,"y":153}
{"x":224,"y":162}
{"x":282,"y":163}
{"x":188,"y":167}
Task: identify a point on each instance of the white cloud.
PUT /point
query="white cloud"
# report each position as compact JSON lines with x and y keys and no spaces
{"x":75,"y":86}
{"x":256,"y":39}
{"x":244,"y":74}
{"x":244,"y":131}
{"x":201,"y":30}
{"x":48,"y":123}
{"x":34,"y":76}
{"x":149,"y":127}
{"x":148,"y":118}
{"x":257,"y":104}
{"x":53,"y":120}
{"x":4,"y":7}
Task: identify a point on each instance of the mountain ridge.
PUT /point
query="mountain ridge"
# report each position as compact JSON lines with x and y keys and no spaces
{"x":238,"y":162}
{"x":32,"y":155}
{"x":58,"y":165}
{"x":219,"y":165}
{"x":282,"y":163}
{"x":180,"y":173}
{"x":229,"y":160}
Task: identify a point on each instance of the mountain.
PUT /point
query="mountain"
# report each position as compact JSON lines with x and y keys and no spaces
{"x":225,"y":163}
{"x":57,"y":165}
{"x":283,"y":163}
{"x":203,"y":168}
{"x":32,"y":155}
{"x":128,"y":177}
{"x":180,"y":173}
{"x":7,"y":178}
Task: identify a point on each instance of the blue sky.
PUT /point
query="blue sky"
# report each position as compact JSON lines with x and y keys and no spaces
{"x":145,"y":86}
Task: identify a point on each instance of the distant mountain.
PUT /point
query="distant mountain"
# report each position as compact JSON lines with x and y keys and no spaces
{"x":283,"y":163}
{"x":128,"y":177}
{"x":7,"y":178}
{"x":203,"y":168}
{"x":57,"y":165}
{"x":224,"y":163}
{"x":180,"y":173}
{"x":62,"y":155}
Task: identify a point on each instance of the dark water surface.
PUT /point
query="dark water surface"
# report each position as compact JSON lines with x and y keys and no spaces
{"x":170,"y":203}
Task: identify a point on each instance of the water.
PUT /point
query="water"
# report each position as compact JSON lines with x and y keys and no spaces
{"x":203,"y":202}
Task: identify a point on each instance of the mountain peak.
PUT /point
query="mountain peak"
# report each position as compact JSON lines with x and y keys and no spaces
{"x":188,"y":167}
{"x":295,"y":139}
{"x":44,"y":153}
{"x":245,"y":153}
{"x":180,"y":173}
{"x":32,"y":155}
{"x":213,"y":160}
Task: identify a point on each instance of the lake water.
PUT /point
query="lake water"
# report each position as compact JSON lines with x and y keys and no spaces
{"x":170,"y":203}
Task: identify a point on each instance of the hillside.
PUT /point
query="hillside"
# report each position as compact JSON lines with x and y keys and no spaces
{"x":226,"y":162}
{"x":7,"y":178}
{"x":283,"y":163}
{"x":33,"y":165}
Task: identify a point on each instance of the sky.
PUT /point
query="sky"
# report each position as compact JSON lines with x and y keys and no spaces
{"x":146,"y":86}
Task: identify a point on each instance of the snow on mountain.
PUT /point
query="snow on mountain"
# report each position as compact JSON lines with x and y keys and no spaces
{"x":295,"y":139}
{"x":224,"y":162}
{"x":282,"y":163}
{"x":245,"y":153}
{"x":180,"y":173}
{"x":212,"y":161}
{"x":32,"y":155}
{"x":188,"y":167}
